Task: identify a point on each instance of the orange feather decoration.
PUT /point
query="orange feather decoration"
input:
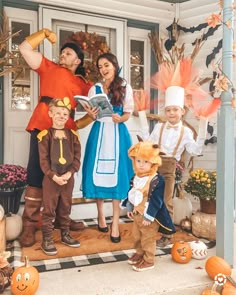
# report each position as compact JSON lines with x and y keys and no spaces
{"x":209,"y":108}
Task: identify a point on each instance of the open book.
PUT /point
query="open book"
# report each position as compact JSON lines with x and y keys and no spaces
{"x":99,"y":101}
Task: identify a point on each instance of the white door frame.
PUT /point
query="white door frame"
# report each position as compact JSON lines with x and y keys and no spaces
{"x":47,"y":15}
{"x":16,"y":139}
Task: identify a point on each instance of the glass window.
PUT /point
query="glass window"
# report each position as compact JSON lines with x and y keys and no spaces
{"x":20,"y":99}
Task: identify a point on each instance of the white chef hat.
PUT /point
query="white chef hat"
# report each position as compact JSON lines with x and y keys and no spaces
{"x":174,"y":96}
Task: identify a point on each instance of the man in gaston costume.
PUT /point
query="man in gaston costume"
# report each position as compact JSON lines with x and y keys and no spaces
{"x":145,"y":204}
{"x":56,"y":80}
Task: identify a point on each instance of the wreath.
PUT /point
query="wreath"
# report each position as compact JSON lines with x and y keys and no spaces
{"x":92,"y":45}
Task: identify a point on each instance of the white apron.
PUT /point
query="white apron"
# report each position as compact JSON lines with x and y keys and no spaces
{"x":105,"y":171}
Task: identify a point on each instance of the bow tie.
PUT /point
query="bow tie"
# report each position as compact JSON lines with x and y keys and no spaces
{"x":172,"y":126}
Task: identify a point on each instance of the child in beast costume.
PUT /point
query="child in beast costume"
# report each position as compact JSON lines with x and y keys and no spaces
{"x":145,"y":204}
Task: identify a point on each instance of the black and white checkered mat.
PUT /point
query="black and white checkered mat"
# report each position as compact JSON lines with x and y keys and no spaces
{"x":82,"y":260}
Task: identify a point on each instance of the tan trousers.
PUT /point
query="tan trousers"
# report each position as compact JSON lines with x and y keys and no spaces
{"x":167,"y":169}
{"x":145,"y":238}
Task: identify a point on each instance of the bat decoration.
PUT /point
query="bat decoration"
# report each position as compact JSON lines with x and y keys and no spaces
{"x":210,"y":129}
{"x":212,"y":88}
{"x":209,"y":33}
{"x":215,"y":50}
{"x":212,"y":140}
{"x":191,"y":29}
{"x":169,"y":44}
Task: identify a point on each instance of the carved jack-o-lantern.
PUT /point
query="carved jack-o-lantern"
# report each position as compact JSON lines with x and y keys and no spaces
{"x":181,"y":252}
{"x":25,"y":280}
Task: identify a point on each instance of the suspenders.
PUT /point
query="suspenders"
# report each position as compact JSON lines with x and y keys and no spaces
{"x":179,"y":140}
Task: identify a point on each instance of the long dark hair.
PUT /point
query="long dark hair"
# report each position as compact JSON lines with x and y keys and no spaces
{"x":80,"y":70}
{"x":117,"y":87}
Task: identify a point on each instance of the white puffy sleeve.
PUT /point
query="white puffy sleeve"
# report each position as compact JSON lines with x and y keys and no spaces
{"x":92,"y":91}
{"x":128,"y":106}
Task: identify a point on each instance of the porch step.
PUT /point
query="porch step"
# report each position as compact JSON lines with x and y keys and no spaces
{"x":89,"y":210}
{"x":84,"y":210}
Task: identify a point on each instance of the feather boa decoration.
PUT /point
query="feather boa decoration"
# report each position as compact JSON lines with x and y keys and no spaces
{"x":185,"y":75}
{"x":208,"y":109}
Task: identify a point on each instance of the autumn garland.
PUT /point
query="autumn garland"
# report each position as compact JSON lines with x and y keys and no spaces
{"x":93,"y":45}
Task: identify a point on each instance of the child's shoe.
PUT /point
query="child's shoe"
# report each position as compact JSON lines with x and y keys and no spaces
{"x":163,"y":242}
{"x":48,"y":246}
{"x":143,"y":265}
{"x":67,"y":239}
{"x":135,"y":258}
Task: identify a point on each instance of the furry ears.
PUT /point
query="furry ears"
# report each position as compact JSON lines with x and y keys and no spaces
{"x":147,"y":151}
{"x":141,"y":140}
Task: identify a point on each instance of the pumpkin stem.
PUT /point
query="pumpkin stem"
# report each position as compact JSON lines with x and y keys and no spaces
{"x":26,"y":260}
{"x":214,"y":287}
{"x":232,"y":281}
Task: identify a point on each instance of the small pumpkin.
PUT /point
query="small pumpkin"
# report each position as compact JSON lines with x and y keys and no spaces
{"x":14,"y":226}
{"x":2,"y":212}
{"x":186,"y":224}
{"x":25,"y":279}
{"x":210,"y":292}
{"x":181,"y":252}
{"x":229,"y":287}
{"x":182,"y":208}
{"x":215,"y":265}
{"x":199,"y":249}
{"x":228,"y":290}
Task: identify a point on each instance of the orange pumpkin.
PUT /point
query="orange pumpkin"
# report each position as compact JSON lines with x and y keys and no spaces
{"x":215,"y":265}
{"x":25,"y":279}
{"x":181,"y":252}
{"x":210,"y":292}
{"x":229,"y":288}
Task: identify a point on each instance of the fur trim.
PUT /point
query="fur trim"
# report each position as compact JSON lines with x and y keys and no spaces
{"x":147,"y":151}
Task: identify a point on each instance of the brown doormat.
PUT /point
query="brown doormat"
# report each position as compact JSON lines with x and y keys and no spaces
{"x":92,"y":242}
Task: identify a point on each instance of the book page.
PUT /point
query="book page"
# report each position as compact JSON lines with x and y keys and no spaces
{"x":102,"y":103}
{"x":99,"y":101}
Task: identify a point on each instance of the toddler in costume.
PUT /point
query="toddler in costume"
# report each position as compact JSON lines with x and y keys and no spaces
{"x":173,"y":138}
{"x":145,"y":204}
{"x":59,"y":154}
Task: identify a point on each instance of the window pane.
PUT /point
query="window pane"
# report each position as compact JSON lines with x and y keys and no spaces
{"x":137,"y":77}
{"x":21,"y":99}
{"x":137,"y":52}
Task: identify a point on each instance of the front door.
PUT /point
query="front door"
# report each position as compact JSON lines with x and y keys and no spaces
{"x":20,"y":91}
{"x":21,"y":97}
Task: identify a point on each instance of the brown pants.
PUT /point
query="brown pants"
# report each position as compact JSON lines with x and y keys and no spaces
{"x":57,"y":200}
{"x":145,"y":238}
{"x":167,"y":169}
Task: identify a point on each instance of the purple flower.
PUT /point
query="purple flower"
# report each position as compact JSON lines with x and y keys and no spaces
{"x":12,"y":176}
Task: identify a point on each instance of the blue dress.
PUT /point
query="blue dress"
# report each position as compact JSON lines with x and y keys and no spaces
{"x":107,"y":169}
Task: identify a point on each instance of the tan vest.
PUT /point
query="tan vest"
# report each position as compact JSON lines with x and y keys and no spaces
{"x":140,"y":208}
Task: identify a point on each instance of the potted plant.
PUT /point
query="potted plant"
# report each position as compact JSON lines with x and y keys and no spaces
{"x":202,"y":184}
{"x":12,"y":185}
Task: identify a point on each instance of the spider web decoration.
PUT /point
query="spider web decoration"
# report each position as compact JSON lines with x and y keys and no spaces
{"x":92,"y":45}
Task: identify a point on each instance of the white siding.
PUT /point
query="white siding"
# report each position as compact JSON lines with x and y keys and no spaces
{"x":188,"y":14}
{"x":148,"y":10}
{"x":191,"y":14}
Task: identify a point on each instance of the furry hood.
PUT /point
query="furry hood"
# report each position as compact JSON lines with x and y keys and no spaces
{"x":147,"y":151}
